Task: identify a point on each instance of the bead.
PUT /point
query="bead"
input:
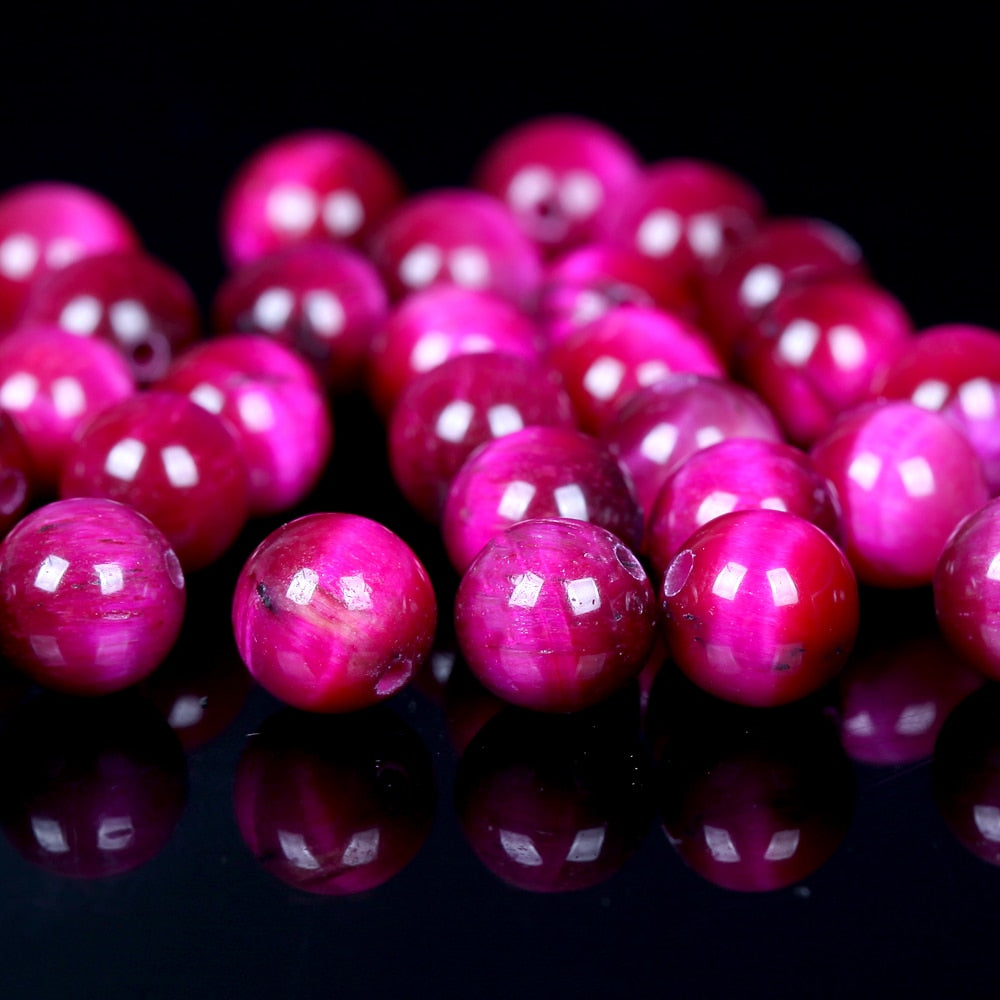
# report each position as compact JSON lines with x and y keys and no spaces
{"x":456,"y":236}
{"x":555,"y":615}
{"x":903,"y":477}
{"x":15,"y":474}
{"x":446,"y":413}
{"x":760,"y":607}
{"x":333,"y":612}
{"x":170,"y":459}
{"x":560,"y":176}
{"x":47,"y":225}
{"x":128,"y":298}
{"x":273,"y":405}
{"x":325,"y":301}
{"x":313,"y":185}
{"x":536,"y":472}
{"x":51,"y":383}
{"x":91,"y":596}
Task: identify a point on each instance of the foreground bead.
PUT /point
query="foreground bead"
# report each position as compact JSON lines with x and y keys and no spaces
{"x":91,"y":596}
{"x":333,"y":612}
{"x":555,"y":615}
{"x":760,"y":607}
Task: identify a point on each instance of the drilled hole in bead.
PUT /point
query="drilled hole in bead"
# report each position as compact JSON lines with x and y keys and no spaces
{"x":678,"y":572}
{"x":13,"y":490}
{"x":396,"y":675}
{"x":629,"y":563}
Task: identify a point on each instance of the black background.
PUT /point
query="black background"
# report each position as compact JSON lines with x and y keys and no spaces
{"x":882,"y":123}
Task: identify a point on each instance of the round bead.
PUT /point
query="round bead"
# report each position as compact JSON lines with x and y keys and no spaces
{"x":333,"y":612}
{"x":170,"y":459}
{"x":91,"y":596}
{"x":903,"y":477}
{"x":760,"y":607}
{"x":555,"y":614}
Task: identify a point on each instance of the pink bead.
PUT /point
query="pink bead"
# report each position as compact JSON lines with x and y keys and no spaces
{"x":536,"y":472}
{"x":782,"y":253}
{"x":170,"y":459}
{"x":624,"y":350}
{"x":665,"y":423}
{"x":91,"y":596}
{"x":427,"y":328}
{"x":760,"y":607}
{"x":273,"y":405}
{"x":333,"y":612}
{"x":560,"y":175}
{"x":818,"y":350}
{"x":456,"y":236}
{"x":314,"y":185}
{"x":736,"y":474}
{"x":446,"y":413}
{"x":45,"y":226}
{"x":15,"y":474}
{"x":967,"y":588}
{"x":555,"y":615}
{"x":903,"y":478}
{"x":325,"y":301}
{"x":51,"y":383}
{"x":128,"y":298}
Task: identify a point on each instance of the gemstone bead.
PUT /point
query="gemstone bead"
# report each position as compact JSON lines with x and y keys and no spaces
{"x":760,"y":607}
{"x":333,"y":612}
{"x":170,"y":459}
{"x":903,"y":477}
{"x":555,"y":615}
{"x":536,"y":472}
{"x":128,"y":298}
{"x":91,"y":596}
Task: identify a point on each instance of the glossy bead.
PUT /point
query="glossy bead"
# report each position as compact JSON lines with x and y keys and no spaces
{"x":666,"y":422}
{"x":51,"y":383}
{"x":536,"y":472}
{"x":818,"y":350}
{"x":333,"y":612}
{"x":306,"y":186}
{"x":91,"y":596}
{"x":736,"y":474}
{"x":626,"y":349}
{"x":760,"y":607}
{"x":446,"y":413}
{"x":15,"y":474}
{"x":128,"y":298}
{"x":325,"y":301}
{"x":456,"y":236}
{"x":45,"y":226}
{"x":903,"y":478}
{"x":170,"y":459}
{"x":967,"y":588}
{"x":273,"y":405}
{"x":560,"y":175}
{"x":428,"y":327}
{"x":555,"y":614}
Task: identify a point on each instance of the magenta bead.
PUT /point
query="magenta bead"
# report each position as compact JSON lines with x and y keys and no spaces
{"x":736,"y":474}
{"x":903,"y":478}
{"x":314,"y":185}
{"x":819,"y":349}
{"x":91,"y":596}
{"x":51,"y":383}
{"x":624,"y":350}
{"x":428,"y":327}
{"x":128,"y":298}
{"x":15,"y":474}
{"x":45,"y":226}
{"x":170,"y":459}
{"x":273,"y":405}
{"x":446,"y":413}
{"x":560,"y":175}
{"x":760,"y":607}
{"x":333,"y":612}
{"x":325,"y":301}
{"x":456,"y":236}
{"x":555,"y":615}
{"x":536,"y":472}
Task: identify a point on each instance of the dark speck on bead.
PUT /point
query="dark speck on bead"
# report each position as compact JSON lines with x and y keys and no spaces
{"x":265,"y":596}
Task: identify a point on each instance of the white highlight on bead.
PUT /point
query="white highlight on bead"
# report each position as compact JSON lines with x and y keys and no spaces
{"x":18,"y":256}
{"x":256,"y":411}
{"x":717,"y":502}
{"x":420,"y":266}
{"x":527,"y":587}
{"x":659,"y":444}
{"x":49,"y":835}
{"x":603,"y":378}
{"x":705,"y":235}
{"x":129,"y":319}
{"x":529,"y":186}
{"x":720,"y":844}
{"x":993,"y":572}
{"x":798,"y":341}
{"x":504,"y":419}
{"x":580,"y":194}
{"x":987,"y":820}
{"x":68,"y":397}
{"x":343,"y":213}
{"x":515,"y":500}
{"x":931,"y":395}
{"x":430,"y":351}
{"x":362,"y":849}
{"x":782,"y":845}
{"x":520,"y":848}
{"x":187,"y":711}
{"x":50,"y":573}
{"x":81,"y":315}
{"x":587,"y":844}
{"x":760,"y":285}
{"x":46,"y":648}
{"x":705,"y":437}
{"x":847,"y":346}
{"x":978,"y":400}
{"x":917,"y":476}
{"x":297,"y":851}
{"x":454,"y":420}
{"x":109,"y":577}
{"x":325,"y":312}
{"x":115,"y":833}
{"x":208,"y":397}
{"x":865,"y":469}
{"x":302,"y":586}
{"x":916,"y":720}
{"x":272,"y":309}
{"x":861,"y":724}
{"x":124,"y":459}
{"x":356,"y":593}
{"x":62,"y":251}
{"x":783,"y":589}
{"x":469,"y":267}
{"x":18,"y":391}
{"x":659,"y":233}
{"x":727,"y":582}
{"x":584,"y":595}
{"x":773,"y":503}
{"x":651,"y":371}
{"x":292,"y":208}
{"x":179,"y":465}
{"x":571,"y":502}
